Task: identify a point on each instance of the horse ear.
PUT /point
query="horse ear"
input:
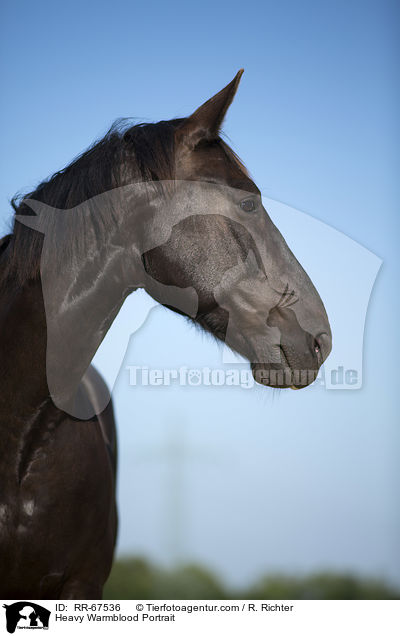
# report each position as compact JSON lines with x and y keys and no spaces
{"x":206,"y":121}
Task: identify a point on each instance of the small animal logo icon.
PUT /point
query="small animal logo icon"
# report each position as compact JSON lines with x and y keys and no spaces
{"x":194,"y":377}
{"x":26,"y":615}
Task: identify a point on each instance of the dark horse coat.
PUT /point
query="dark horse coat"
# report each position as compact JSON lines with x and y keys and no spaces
{"x":167,"y":207}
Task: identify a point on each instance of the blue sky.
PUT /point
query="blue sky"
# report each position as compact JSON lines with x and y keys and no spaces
{"x":294,"y":481}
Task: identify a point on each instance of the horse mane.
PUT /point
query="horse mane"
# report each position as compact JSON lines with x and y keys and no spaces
{"x":126,"y":154}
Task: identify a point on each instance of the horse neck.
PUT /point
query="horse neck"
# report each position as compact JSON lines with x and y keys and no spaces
{"x":49,"y":332}
{"x":83,"y":284}
{"x":22,"y":358}
{"x":23,"y":395}
{"x":80,"y":306}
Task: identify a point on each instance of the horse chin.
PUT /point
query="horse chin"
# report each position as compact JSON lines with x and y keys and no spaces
{"x":281,"y":377}
{"x":273,"y":375}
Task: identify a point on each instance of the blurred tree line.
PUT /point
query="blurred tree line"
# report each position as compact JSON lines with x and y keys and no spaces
{"x":135,"y":578}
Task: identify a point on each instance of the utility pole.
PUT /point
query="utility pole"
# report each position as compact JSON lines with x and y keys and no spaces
{"x":175,"y":454}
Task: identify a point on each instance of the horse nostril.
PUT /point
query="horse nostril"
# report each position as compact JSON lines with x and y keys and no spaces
{"x":322,"y":346}
{"x":317,"y":350}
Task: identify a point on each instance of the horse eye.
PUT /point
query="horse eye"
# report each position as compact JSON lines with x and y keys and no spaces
{"x":248,"y":205}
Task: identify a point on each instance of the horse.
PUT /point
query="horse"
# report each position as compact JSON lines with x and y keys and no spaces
{"x":168,"y":207}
